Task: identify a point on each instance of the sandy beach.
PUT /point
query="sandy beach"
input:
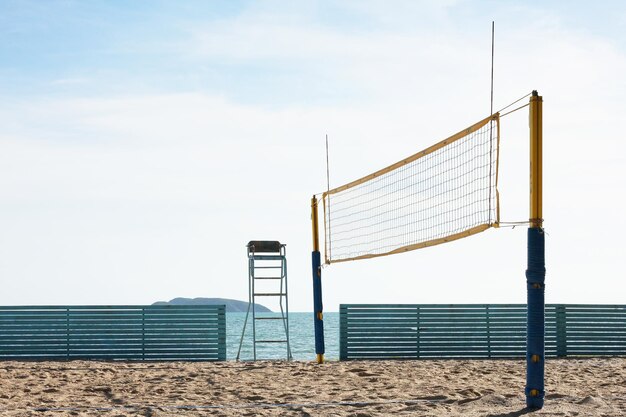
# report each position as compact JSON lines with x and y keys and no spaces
{"x":584,"y":387}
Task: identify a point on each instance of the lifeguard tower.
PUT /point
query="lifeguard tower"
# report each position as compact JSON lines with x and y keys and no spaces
{"x":267,"y":277}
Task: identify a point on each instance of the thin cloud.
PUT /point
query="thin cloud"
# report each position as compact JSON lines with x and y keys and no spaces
{"x":101,"y":191}
{"x":70,"y":81}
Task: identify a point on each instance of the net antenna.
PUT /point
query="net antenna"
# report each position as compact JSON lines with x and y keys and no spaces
{"x":491,"y":113}
{"x":327,"y":177}
{"x":493,"y":30}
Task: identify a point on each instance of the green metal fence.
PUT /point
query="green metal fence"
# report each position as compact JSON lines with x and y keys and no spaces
{"x":134,"y":333}
{"x":414,"y":331}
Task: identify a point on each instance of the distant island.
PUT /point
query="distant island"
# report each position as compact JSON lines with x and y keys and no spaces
{"x":232,"y":306}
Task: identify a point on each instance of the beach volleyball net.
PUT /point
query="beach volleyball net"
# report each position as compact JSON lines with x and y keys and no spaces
{"x":446,"y":192}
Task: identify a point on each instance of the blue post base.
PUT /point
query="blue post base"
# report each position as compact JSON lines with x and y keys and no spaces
{"x":535,"y":329}
{"x":318,"y":318}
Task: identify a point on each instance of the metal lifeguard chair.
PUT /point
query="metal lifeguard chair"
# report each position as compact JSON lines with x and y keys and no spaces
{"x":267,"y":262}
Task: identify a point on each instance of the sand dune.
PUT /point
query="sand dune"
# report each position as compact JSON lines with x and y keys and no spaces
{"x":585,"y":387}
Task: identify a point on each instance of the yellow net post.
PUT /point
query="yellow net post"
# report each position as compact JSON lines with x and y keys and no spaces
{"x":318,"y":318}
{"x":536,"y":270}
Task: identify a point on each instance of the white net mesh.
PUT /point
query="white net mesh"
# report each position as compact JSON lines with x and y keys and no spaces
{"x":443,"y":193}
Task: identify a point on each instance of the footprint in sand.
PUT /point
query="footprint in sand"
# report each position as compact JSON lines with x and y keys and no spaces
{"x":592,"y":401}
{"x":469,"y":393}
{"x":108,"y":393}
{"x":432,"y":398}
{"x":491,"y":400}
{"x":555,"y":396}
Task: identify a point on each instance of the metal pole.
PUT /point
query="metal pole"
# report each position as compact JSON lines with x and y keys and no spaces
{"x":318,"y":318}
{"x":252,"y":294}
{"x":536,"y":271}
{"x":283,"y":273}
{"x":245,"y":322}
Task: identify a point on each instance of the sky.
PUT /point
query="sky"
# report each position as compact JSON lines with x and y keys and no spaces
{"x":143,"y":144}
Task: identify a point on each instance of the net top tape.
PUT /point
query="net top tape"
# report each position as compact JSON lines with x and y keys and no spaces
{"x":416,"y":156}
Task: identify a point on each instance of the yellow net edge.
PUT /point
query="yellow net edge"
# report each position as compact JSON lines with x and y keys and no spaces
{"x":459,"y":135}
{"x":466,"y":233}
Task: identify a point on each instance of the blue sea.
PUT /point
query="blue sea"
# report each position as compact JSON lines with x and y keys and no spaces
{"x":301,"y":336}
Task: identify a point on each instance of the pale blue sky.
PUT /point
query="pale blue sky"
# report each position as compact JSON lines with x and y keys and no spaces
{"x":57,"y":48}
{"x":133,"y":135}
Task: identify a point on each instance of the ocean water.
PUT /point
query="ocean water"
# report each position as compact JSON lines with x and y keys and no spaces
{"x":301,"y":336}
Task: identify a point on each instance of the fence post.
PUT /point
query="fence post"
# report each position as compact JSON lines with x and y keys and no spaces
{"x":417,"y":329}
{"x":343,"y":332}
{"x":143,"y":333}
{"x":561,"y":331}
{"x":67,"y":333}
{"x":488,"y":332}
{"x":221,"y":338}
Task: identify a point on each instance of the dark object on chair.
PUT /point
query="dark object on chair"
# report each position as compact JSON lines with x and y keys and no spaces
{"x":265,"y":246}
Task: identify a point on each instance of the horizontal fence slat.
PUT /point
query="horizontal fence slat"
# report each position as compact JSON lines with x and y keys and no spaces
{"x":113,"y":332}
{"x":371,"y":331}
